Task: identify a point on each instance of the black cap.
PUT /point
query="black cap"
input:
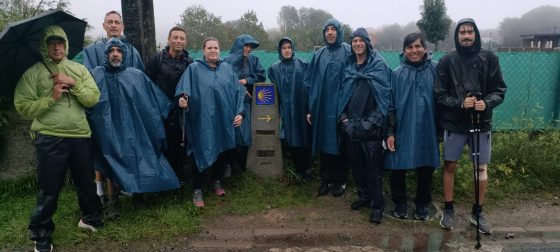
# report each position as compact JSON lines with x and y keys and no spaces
{"x":55,"y":37}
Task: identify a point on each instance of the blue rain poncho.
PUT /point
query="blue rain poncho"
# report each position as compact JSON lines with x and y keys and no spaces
{"x":94,"y":55}
{"x":248,"y":68}
{"x":287,"y":75}
{"x":414,"y":110}
{"x":215,"y":98}
{"x":375,"y":72}
{"x":323,"y":79}
{"x":127,"y":128}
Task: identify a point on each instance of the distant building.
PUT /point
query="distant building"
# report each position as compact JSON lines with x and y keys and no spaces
{"x":540,"y":41}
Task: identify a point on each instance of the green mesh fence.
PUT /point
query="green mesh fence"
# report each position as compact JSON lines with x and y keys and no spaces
{"x":533,"y":80}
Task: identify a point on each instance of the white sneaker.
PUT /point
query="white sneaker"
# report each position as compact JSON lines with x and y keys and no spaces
{"x":84,"y":225}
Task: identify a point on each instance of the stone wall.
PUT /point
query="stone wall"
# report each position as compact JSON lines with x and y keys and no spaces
{"x":19,"y":159}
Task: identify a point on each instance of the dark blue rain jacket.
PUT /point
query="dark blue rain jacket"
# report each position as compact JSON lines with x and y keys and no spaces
{"x":414,"y":107}
{"x":323,"y":79}
{"x":215,"y":98}
{"x":250,"y":69}
{"x":287,"y":75}
{"x":94,"y":55}
{"x":127,"y":128}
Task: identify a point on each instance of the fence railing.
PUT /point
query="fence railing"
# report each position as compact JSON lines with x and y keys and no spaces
{"x":533,"y":80}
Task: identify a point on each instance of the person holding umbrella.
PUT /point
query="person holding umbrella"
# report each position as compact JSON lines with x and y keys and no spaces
{"x":61,"y":133}
{"x":468,"y":82}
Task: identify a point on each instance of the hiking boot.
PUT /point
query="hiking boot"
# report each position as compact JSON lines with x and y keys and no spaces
{"x":376,"y":216}
{"x":359,"y":204}
{"x":421,"y":212}
{"x":483,"y":225}
{"x":217,"y":188}
{"x":197,"y":198}
{"x":113,"y":208}
{"x":44,"y":245}
{"x":338,"y":189}
{"x":324,"y":189}
{"x":89,"y":226}
{"x":446,"y":221}
{"x":400,"y":211}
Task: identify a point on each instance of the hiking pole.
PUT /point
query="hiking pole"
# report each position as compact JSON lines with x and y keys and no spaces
{"x":475,"y":137}
{"x":183,"y":124}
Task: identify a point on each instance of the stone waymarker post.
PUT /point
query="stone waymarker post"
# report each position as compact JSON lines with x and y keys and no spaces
{"x":265,"y":155}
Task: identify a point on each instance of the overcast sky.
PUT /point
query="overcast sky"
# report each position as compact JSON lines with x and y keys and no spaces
{"x":356,"y":13}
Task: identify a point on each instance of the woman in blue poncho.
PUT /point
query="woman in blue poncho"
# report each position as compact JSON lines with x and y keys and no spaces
{"x":213,"y":100}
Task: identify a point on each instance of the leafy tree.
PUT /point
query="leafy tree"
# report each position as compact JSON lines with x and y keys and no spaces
{"x":305,"y":25}
{"x":14,"y":10}
{"x":390,"y":37}
{"x":288,"y":20}
{"x":543,"y":19}
{"x":435,"y":21}
{"x":200,"y":24}
{"x":247,"y":24}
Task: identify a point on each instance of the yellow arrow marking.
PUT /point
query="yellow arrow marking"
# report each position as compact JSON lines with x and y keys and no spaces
{"x":267,"y":118}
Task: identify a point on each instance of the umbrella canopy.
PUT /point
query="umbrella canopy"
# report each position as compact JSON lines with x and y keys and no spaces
{"x":19,"y":44}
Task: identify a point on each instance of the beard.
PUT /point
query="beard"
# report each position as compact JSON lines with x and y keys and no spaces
{"x":115,"y":63}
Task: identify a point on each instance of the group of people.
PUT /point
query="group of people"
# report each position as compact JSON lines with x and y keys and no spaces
{"x":137,"y":125}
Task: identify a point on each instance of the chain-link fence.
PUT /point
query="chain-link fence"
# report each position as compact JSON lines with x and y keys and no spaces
{"x":533,"y":81}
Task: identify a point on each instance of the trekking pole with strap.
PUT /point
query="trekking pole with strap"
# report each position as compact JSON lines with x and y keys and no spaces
{"x":475,"y":146}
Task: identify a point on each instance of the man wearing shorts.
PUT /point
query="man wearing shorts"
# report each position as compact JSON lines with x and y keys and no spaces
{"x":468,"y":84}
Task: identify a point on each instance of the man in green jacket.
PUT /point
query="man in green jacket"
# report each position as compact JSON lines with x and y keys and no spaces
{"x":53,"y":93}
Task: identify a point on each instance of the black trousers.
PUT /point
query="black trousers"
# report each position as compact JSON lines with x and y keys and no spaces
{"x":366,"y":162}
{"x":300,"y":158}
{"x":334,"y":168}
{"x":423,"y":185}
{"x":54,"y":154}
{"x":175,"y":153}
{"x":216,"y":170}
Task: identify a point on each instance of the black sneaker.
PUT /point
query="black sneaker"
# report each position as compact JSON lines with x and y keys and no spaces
{"x":43,"y":246}
{"x":359,"y":204}
{"x":324,"y":189}
{"x":421,"y":213}
{"x":338,"y":189}
{"x":400,"y":211}
{"x":305,"y":176}
{"x":376,"y":216}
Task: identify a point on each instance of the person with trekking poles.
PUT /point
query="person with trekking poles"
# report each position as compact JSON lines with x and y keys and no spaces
{"x":468,"y":86}
{"x":165,"y":69}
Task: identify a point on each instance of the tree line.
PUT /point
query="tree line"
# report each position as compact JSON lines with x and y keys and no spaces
{"x":304,"y":25}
